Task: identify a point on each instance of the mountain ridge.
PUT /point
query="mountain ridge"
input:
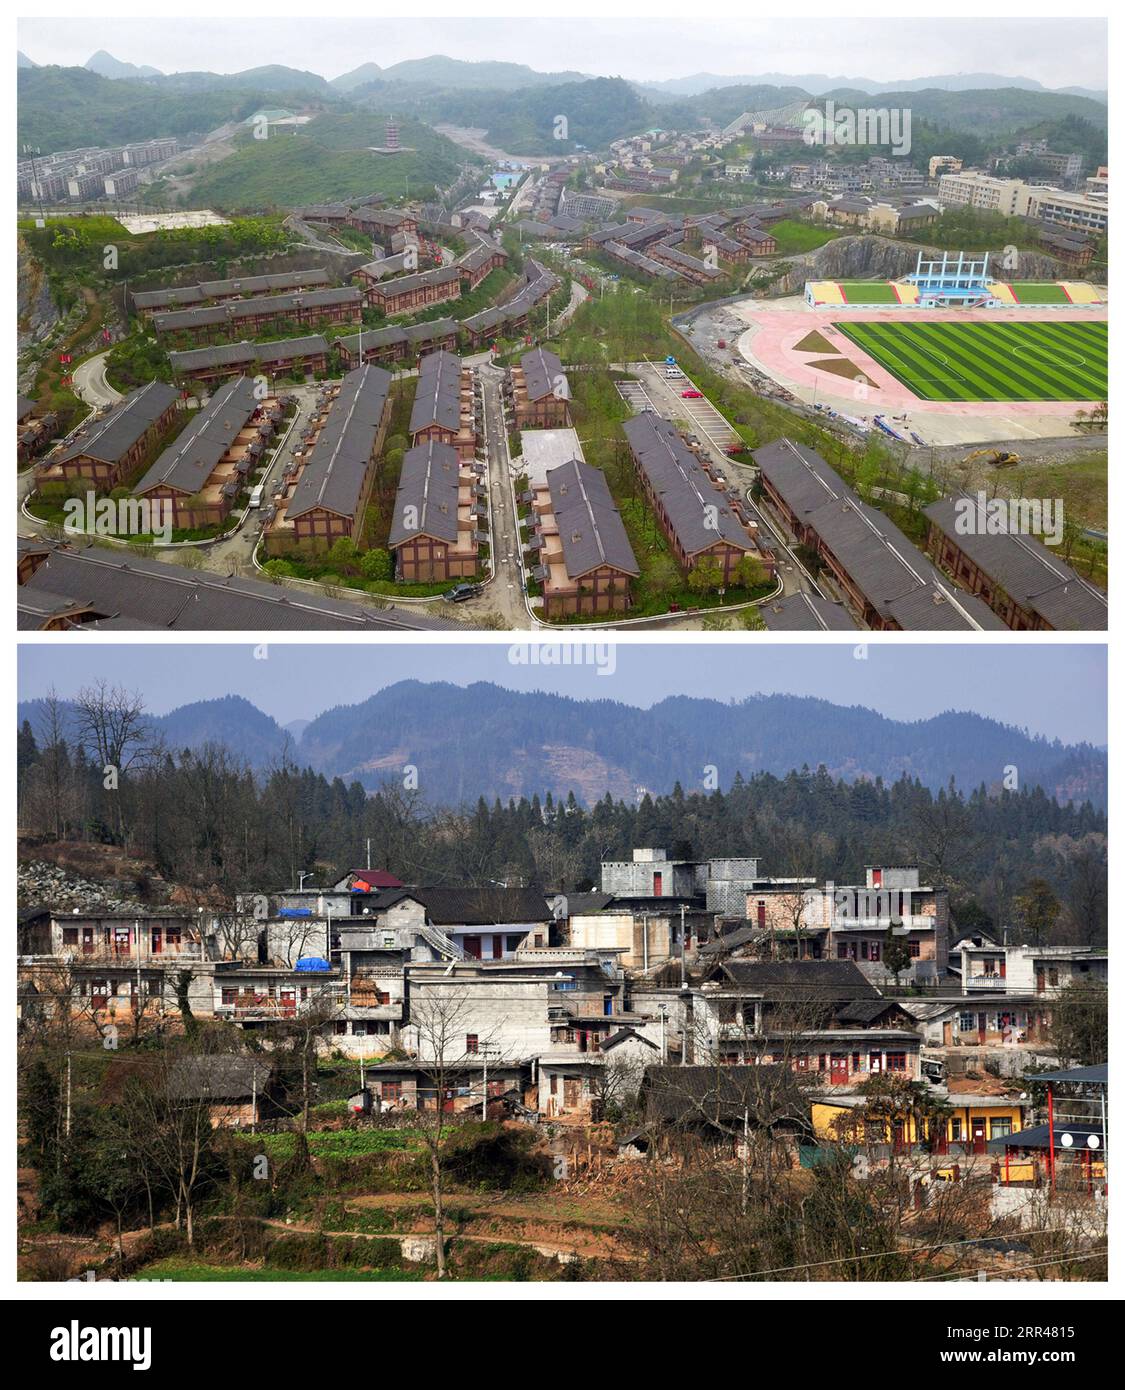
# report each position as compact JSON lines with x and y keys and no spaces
{"x":460,"y":743}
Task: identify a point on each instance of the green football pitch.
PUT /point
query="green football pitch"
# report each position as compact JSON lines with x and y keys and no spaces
{"x":868,"y":292}
{"x":991,"y":361}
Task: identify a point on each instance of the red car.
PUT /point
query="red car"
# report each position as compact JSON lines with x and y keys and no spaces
{"x":692,"y":395}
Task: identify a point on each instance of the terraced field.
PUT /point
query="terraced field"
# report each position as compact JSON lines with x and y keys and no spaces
{"x":1051,"y":361}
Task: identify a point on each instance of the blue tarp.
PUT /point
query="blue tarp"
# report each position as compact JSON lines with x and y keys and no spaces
{"x":294,"y":912}
{"x":313,"y":963}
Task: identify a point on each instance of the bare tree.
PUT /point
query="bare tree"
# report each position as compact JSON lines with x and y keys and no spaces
{"x":438,"y":1020}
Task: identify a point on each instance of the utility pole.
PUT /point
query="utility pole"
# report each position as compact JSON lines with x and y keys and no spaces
{"x":66,"y":1127}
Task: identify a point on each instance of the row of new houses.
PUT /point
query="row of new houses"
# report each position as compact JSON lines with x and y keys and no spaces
{"x":1010,"y":578}
{"x":394,"y":343}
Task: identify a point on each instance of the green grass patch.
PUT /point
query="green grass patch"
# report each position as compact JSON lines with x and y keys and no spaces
{"x":336,"y":1143}
{"x":1038,"y":292}
{"x":793,"y":238}
{"x":868,"y":292}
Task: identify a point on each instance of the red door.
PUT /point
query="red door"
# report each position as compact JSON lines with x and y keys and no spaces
{"x":982,"y":1028}
{"x":472,"y":946}
{"x":658,"y":885}
{"x":838,"y":1073}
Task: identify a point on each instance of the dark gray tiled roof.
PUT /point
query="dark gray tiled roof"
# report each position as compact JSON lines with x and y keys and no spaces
{"x":829,"y":981}
{"x":333,"y":476}
{"x":109,"y":438}
{"x":402,"y":284}
{"x":218,"y":289}
{"x":189,"y":461}
{"x":437,"y":401}
{"x":248,"y":354}
{"x":698,"y":513}
{"x":803,"y":612}
{"x":1025,"y":568}
{"x":133,"y":593}
{"x":238,"y":309}
{"x":543,"y":374}
{"x":897,"y":580}
{"x":220,"y":1077}
{"x":590,"y":526}
{"x":429,"y":482}
{"x":379,"y":270}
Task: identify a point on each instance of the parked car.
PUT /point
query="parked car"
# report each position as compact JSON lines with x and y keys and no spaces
{"x":692,"y":395}
{"x":460,"y":592}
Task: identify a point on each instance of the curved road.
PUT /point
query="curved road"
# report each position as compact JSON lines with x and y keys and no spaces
{"x":90,"y":384}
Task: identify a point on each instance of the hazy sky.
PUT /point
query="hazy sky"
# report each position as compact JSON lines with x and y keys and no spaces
{"x":1056,"y":52}
{"x":1059,"y":691}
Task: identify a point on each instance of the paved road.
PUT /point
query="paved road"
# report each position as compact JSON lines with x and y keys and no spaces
{"x":502,"y":601}
{"x":90,"y":384}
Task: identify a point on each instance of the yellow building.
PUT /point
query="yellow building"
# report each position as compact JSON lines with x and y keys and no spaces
{"x":970,"y":1121}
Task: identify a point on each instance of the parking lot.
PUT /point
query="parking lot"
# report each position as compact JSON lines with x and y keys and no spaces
{"x":668,"y":400}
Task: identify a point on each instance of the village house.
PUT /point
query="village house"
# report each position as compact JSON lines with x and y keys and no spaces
{"x":1025,"y":583}
{"x":109,"y":449}
{"x":702,"y":522}
{"x":383,"y":224}
{"x":439,"y":512}
{"x":964,"y":1118}
{"x":199,"y":476}
{"x":988,"y":968}
{"x":538,"y":392}
{"x":583,"y":559}
{"x":512,"y":317}
{"x":374,"y":271}
{"x":327,"y":497}
{"x":151,"y":302}
{"x":34,"y":428}
{"x":851,"y":922}
{"x":482,"y":257}
{"x":444,"y":408}
{"x":394,"y":343}
{"x":407,"y":294}
{"x":883,"y":578}
{"x":285,"y":357}
{"x":253,"y":317}
{"x":241,"y":1090}
{"x":819,"y":1017}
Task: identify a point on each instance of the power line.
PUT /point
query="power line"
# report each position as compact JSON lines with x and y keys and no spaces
{"x":853,"y":1259}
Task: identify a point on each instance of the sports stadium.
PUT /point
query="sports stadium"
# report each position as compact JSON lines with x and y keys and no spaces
{"x":949,"y":352}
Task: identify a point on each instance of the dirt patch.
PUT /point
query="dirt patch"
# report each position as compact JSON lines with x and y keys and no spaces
{"x":840,"y":366}
{"x":814,"y":342}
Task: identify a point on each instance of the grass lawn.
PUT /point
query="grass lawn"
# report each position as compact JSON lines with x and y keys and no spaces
{"x":795,"y":237}
{"x":1038,"y":292}
{"x":339,"y":1143}
{"x":1081,"y":480}
{"x":868,"y":292}
{"x":991,"y":361}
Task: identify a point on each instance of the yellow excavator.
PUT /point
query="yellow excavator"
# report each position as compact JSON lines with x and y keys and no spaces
{"x":998,"y":458}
